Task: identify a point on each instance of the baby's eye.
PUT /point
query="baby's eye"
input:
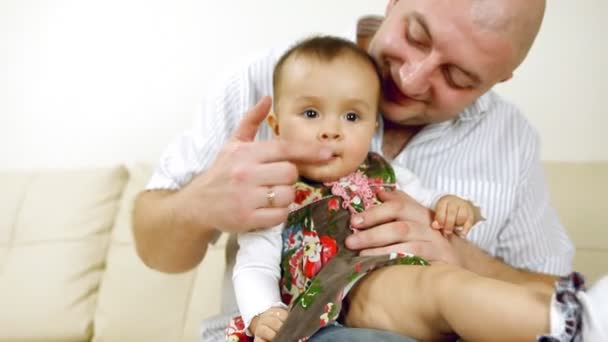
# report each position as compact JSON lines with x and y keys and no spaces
{"x":352,"y":116}
{"x":310,"y":113}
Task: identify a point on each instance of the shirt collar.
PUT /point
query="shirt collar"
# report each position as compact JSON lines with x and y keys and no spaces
{"x":478,"y":108}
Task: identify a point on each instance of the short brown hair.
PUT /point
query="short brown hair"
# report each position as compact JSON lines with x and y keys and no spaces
{"x":324,"y":48}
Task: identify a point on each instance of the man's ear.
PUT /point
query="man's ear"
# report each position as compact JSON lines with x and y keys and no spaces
{"x":273,"y":122}
{"x":390,"y":5}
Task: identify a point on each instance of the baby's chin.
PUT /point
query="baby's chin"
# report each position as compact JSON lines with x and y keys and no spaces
{"x":322,"y":174}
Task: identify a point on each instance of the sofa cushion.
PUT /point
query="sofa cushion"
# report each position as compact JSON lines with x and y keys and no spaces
{"x":139,"y":304}
{"x":54,"y":229}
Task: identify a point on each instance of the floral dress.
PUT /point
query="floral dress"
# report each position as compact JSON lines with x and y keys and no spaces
{"x":317,"y":270}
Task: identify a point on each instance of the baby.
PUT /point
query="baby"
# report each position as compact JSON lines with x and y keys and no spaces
{"x":326,"y":90}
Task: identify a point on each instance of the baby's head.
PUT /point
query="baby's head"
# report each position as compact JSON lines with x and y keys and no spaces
{"x":326,"y":91}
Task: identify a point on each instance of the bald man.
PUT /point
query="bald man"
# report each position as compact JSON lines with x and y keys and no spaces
{"x":439,"y":60}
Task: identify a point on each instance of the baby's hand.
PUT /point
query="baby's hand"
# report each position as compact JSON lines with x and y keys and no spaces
{"x":454,"y":213}
{"x":266,"y":325}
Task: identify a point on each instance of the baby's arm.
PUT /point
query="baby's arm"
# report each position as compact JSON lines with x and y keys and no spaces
{"x":256,"y":282}
{"x":450,"y":211}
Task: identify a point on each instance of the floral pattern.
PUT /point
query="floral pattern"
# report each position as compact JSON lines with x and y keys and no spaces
{"x":316,"y":271}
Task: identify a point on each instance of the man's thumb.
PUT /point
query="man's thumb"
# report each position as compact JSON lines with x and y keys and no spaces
{"x":248,"y":126}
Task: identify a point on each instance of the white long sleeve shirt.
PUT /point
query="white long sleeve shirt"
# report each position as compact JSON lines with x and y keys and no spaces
{"x":256,"y":272}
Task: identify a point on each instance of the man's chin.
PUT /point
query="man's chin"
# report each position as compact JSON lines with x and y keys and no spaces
{"x":409,"y":114}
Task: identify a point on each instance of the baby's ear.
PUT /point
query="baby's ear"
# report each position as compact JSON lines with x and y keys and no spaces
{"x":273,"y":122}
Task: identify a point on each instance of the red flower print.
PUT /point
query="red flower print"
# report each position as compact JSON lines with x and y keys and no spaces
{"x":358,"y":267}
{"x":301,"y":195}
{"x":238,"y":323}
{"x":333,"y":204}
{"x":238,"y":337}
{"x":311,"y":268}
{"x":330,"y":248}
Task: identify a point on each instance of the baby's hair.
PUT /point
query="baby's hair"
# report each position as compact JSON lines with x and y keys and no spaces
{"x":325,"y":49}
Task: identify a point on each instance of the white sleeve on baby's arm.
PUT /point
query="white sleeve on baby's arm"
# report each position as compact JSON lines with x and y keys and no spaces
{"x":411,"y":185}
{"x":257,"y":271}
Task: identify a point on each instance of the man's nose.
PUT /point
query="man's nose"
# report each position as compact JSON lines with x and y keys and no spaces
{"x":415,"y":77}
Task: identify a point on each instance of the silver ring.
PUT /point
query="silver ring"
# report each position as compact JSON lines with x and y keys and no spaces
{"x":270,"y":196}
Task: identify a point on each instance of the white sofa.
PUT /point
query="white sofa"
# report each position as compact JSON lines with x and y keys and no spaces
{"x":69,"y":272}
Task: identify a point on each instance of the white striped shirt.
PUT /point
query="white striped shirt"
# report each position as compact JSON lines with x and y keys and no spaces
{"x":488,"y":154}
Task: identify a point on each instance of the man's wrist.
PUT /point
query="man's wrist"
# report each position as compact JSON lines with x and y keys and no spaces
{"x":460,"y":251}
{"x":185,"y":219}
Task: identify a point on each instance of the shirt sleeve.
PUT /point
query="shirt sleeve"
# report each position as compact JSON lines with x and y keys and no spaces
{"x":228,"y":98}
{"x":533,"y":237}
{"x":256,"y":272}
{"x":411,"y":185}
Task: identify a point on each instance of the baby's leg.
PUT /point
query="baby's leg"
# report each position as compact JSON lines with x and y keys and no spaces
{"x":428,"y":303}
{"x":398,"y":299}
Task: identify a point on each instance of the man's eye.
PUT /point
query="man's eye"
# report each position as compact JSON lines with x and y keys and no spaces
{"x":311,"y":113}
{"x":352,"y":116}
{"x":457,"y":80}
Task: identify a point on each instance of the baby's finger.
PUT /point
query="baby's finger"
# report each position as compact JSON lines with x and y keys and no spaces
{"x":436,"y":225}
{"x":462,"y":216}
{"x":467,"y":226}
{"x":257,"y":338}
{"x":273,"y":322}
{"x":440,"y":213}
{"x":264,"y":333}
{"x":450,"y":218}
{"x":281,"y":314}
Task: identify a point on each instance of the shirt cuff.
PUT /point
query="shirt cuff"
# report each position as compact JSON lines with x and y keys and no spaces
{"x":160,"y":182}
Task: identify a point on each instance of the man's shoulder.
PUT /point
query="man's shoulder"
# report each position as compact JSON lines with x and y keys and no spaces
{"x":500,"y":113}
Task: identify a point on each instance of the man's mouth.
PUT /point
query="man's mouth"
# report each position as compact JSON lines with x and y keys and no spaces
{"x":392,"y":92}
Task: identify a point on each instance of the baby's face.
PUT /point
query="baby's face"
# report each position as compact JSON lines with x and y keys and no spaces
{"x":333,"y":104}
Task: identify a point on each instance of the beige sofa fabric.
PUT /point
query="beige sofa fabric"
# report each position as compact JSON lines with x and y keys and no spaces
{"x":579,"y":193}
{"x":139,"y":304}
{"x":54,"y":228}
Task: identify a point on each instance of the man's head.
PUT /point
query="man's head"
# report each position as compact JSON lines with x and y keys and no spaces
{"x":326,"y":91}
{"x":438,"y":56}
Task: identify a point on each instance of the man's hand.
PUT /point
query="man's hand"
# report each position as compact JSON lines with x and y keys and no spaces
{"x":266,"y":325}
{"x":400,"y":224}
{"x":249,"y":185}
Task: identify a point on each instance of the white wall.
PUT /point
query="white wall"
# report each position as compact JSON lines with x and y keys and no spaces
{"x":86,"y":83}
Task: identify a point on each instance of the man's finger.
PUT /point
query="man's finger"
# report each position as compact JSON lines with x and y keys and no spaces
{"x":421,"y":249}
{"x":397,"y":206}
{"x":248,"y":127}
{"x":282,"y":150}
{"x":398,"y":248}
{"x":268,"y":217}
{"x":388,"y":234}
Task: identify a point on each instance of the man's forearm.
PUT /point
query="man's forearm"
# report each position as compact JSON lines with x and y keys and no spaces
{"x":164,"y":239}
{"x":476,"y":260}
